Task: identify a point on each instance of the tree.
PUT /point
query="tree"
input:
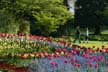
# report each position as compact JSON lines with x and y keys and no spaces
{"x":42,"y":16}
{"x":7,"y":22}
{"x":50,"y":16}
{"x":91,"y":13}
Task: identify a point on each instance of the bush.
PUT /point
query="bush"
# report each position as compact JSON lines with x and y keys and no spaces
{"x":102,"y":37}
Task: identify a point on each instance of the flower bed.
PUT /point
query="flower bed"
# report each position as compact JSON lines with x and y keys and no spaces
{"x":49,"y":55}
{"x":5,"y":67}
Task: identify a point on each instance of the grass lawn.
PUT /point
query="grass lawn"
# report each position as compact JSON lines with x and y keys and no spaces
{"x":93,"y":43}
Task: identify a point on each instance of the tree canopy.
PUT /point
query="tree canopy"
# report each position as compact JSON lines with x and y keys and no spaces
{"x":35,"y":16}
{"x":91,"y":13}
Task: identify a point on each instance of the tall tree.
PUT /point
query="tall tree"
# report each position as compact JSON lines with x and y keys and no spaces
{"x":91,"y":13}
{"x":42,"y":16}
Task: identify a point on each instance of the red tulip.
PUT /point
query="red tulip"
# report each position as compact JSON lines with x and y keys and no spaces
{"x":78,"y":65}
{"x":66,"y":61}
{"x":49,"y":58}
{"x":85,"y":55}
{"x":96,"y":66}
{"x":98,"y":49}
{"x":22,"y":56}
{"x":35,"y":53}
{"x":49,"y":55}
{"x":93,"y":51}
{"x":90,"y":65}
{"x":64,"y":50}
{"x":59,"y":50}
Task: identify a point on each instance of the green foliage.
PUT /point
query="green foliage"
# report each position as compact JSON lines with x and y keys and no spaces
{"x":7,"y":22}
{"x":51,"y":15}
{"x":91,"y":13}
{"x":103,"y":37}
{"x":40,"y":16}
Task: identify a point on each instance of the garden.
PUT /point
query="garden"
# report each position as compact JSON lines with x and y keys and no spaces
{"x":30,"y":53}
{"x":53,"y":35}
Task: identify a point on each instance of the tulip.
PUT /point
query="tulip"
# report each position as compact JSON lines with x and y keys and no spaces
{"x":94,"y":59}
{"x":93,"y":51}
{"x":99,"y":58}
{"x":98,"y":49}
{"x":66,"y":61}
{"x":90,"y":65}
{"x":72,"y":62}
{"x":67,"y":56}
{"x":96,"y":66}
{"x":59,"y":50}
{"x":53,"y":63}
{"x":76,"y":60}
{"x":91,"y":57}
{"x":72,"y":59}
{"x":35,"y":53}
{"x":49,"y":58}
{"x":64,"y":50}
{"x":22,"y":56}
{"x":49,"y":55}
{"x":78,"y":65}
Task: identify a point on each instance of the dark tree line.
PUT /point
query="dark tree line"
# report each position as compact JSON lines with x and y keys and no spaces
{"x":92,"y":14}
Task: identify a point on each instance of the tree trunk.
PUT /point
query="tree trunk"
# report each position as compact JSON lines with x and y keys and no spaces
{"x":97,"y":30}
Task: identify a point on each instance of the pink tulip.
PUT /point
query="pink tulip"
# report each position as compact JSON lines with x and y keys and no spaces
{"x":72,"y":62}
{"x":91,"y":57}
{"x":67,"y":56}
{"x":72,"y":59}
{"x":85,"y":55}
{"x":53,"y":63}
{"x":94,"y":59}
{"x":99,"y":58}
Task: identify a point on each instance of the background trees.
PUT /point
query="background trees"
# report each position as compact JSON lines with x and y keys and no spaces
{"x":45,"y":17}
{"x":91,"y":13}
{"x":36,"y":16}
